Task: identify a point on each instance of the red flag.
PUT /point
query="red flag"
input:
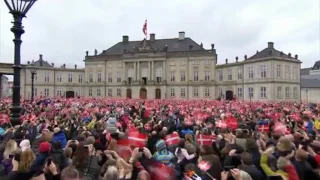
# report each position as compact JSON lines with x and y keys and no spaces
{"x":172,"y":139}
{"x":159,"y":171}
{"x":204,"y":166}
{"x":221,"y":124}
{"x":204,"y":139}
{"x":144,"y":28}
{"x":263,"y":128}
{"x":137,"y":139}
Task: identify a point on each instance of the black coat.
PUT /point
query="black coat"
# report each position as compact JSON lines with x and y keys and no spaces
{"x":253,"y":171}
{"x":58,"y":157}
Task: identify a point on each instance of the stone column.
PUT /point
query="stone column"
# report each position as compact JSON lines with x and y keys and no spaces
{"x":149,"y":67}
{"x":138,"y":71}
{"x":124,"y":72}
{"x":135,"y":71}
{"x":164,"y":70}
{"x":152,"y":70}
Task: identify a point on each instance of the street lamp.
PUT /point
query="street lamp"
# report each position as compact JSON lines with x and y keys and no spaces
{"x":18,"y":9}
{"x":33,"y":71}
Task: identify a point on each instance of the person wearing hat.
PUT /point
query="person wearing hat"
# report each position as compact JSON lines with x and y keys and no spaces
{"x":111,"y":125}
{"x":59,"y":135}
{"x":162,"y":155}
{"x":24,"y":144}
{"x":39,"y":162}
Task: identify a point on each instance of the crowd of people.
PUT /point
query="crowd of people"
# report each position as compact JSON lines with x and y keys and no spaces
{"x":168,"y":139}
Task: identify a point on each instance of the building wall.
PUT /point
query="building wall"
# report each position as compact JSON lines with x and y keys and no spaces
{"x":5,"y":86}
{"x":310,"y":95}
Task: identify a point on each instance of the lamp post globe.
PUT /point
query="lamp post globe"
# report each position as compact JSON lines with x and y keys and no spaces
{"x":33,"y":71}
{"x":18,"y":9}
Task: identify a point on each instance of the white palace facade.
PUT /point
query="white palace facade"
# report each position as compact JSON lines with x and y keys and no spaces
{"x":169,"y":68}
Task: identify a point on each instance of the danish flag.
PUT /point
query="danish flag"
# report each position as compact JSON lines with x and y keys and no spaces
{"x":137,"y":139}
{"x":188,"y":122}
{"x":263,"y":128}
{"x":204,"y":139}
{"x":144,"y":28}
{"x":221,"y":124}
{"x":172,"y":139}
{"x":204,"y":166}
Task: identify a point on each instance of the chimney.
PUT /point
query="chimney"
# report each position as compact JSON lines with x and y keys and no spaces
{"x":237,"y":58}
{"x":226,"y":61}
{"x":245,"y":57}
{"x":40,"y":62}
{"x":40,"y":57}
{"x":64,"y":65}
{"x":75,"y":66}
{"x":52,"y":64}
{"x":289,"y":55}
{"x":152,"y":37}
{"x":181,"y":35}
{"x":28,"y":62}
{"x":125,"y":38}
{"x":296,"y":56}
{"x":270,"y":45}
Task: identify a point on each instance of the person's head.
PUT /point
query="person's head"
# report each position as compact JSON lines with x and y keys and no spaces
{"x":301,"y":155}
{"x":44,"y":147}
{"x":81,"y":138}
{"x":282,"y":163}
{"x":11,"y":147}
{"x":112,"y":173}
{"x":252,"y":145}
{"x":81,"y":156}
{"x":26,"y":159}
{"x":24,"y":144}
{"x":90,"y":140}
{"x":206,"y":150}
{"x":68,"y":152}
{"x":56,"y":145}
{"x":181,"y":143}
{"x":246,"y":158}
{"x":144,"y":175}
{"x":70,"y":173}
{"x":188,"y":138}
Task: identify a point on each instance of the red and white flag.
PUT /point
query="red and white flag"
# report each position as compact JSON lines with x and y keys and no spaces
{"x":204,"y":139}
{"x":221,"y":124}
{"x":145,"y":28}
{"x":172,"y":139}
{"x":4,"y":118}
{"x":204,"y":166}
{"x":263,"y":128}
{"x":137,"y":139}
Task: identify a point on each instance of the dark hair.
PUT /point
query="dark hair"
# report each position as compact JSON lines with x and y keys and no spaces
{"x":56,"y":145}
{"x":80,"y":157}
{"x":246,"y":158}
{"x":181,"y":145}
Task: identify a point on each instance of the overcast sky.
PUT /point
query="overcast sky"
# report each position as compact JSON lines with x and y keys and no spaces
{"x":62,"y":30}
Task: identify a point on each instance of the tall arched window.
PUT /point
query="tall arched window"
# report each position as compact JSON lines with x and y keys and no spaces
{"x":145,"y":72}
{"x":159,"y":72}
{"x":130,"y":73}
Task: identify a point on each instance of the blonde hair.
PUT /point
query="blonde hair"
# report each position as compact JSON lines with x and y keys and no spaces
{"x":11,"y":147}
{"x":26,"y":159}
{"x":188,"y":138}
{"x":112,"y":173}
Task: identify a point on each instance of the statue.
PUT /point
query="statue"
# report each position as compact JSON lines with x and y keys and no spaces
{"x":87,"y":53}
{"x":212,"y":46}
{"x":95,"y":52}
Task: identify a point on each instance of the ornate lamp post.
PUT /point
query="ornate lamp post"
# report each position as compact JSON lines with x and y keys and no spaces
{"x":19,"y":9}
{"x":33,"y":71}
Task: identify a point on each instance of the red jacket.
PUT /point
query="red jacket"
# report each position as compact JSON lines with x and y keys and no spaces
{"x":292,"y":173}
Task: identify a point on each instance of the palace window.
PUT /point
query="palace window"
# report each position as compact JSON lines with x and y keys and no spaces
{"x":229,"y":74}
{"x":207,"y":61}
{"x":183,"y":76}
{"x":118,"y":76}
{"x":59,"y":78}
{"x":195,"y":92}
{"x":172,"y":77}
{"x":207,"y":76}
{"x":130,"y":73}
{"x":263,"y":69}
{"x":90,"y":78}
{"x":98,"y":92}
{"x":220,"y":75}
{"x":295,"y":73}
{"x":250,"y":92}
{"x":287,"y":92}
{"x":279,"y":92}
{"x":119,"y":92}
{"x":183,"y":92}
{"x":90,"y":92}
{"x":80,"y":92}
{"x":287,"y":72}
{"x":250,"y":71}
{"x":195,"y":62}
{"x":263,"y":92}
{"x":69,"y":77}
{"x":109,"y":77}
{"x":240,"y":73}
{"x":172,"y":92}
{"x":46,"y":92}
{"x":196,"y":76}
{"x":59,"y":92}
{"x":99,"y":77}
{"x":278,"y":71}
{"x":206,"y":92}
{"x":240,"y":92}
{"x":110,"y":92}
{"x":46,"y":77}
{"x":159,"y":74}
{"x":80,"y":78}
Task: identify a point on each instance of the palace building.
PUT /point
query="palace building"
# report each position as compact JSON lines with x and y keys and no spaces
{"x":170,"y":68}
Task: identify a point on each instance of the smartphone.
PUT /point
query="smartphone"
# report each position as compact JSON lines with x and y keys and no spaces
{"x":11,"y":156}
{"x":228,"y":168}
{"x":49,"y":161}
